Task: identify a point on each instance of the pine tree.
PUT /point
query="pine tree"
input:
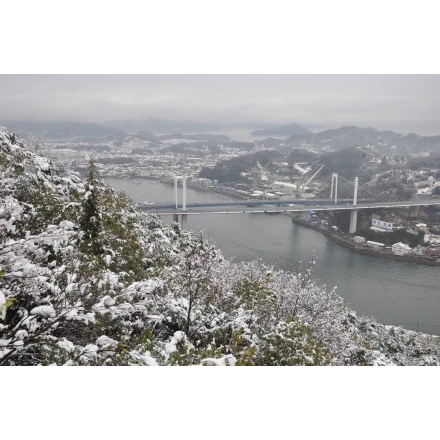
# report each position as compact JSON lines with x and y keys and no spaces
{"x":90,"y":221}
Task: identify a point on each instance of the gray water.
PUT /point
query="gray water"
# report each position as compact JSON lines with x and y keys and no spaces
{"x":393,"y":292}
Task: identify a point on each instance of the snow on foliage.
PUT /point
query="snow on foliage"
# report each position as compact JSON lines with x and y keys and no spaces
{"x":224,"y":361}
{"x":43,"y":311}
{"x":2,"y":306}
{"x":87,"y":279}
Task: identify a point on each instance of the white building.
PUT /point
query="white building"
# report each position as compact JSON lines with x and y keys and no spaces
{"x":358,"y":239}
{"x":422,"y":226}
{"x":400,"y":249}
{"x":432,"y":239}
{"x":374,"y":244}
{"x":381,"y":224}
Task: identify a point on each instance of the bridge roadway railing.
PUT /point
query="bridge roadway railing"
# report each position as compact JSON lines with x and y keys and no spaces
{"x":296,"y":205}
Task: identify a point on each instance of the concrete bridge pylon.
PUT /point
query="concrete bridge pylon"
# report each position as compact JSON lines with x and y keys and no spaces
{"x":183,"y":217}
{"x":354,"y":212}
{"x":353,"y":221}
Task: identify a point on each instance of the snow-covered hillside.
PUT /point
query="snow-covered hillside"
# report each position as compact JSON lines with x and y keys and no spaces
{"x":87,"y":279}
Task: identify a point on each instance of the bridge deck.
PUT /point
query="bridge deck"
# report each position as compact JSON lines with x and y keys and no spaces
{"x":269,"y":206}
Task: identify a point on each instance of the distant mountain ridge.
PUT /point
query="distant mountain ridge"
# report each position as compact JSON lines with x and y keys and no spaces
{"x":287,"y":136}
{"x":198,"y":137}
{"x":383,"y":142}
{"x":148,"y":136}
{"x":62,"y":129}
{"x":162,"y":126}
{"x":284,"y":130}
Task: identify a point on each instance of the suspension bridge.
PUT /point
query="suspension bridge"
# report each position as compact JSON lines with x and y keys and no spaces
{"x":333,"y":193}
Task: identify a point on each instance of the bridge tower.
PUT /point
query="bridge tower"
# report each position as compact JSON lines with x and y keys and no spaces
{"x":175,"y":216}
{"x":354,"y":212}
{"x":183,"y":217}
{"x":334,"y":187}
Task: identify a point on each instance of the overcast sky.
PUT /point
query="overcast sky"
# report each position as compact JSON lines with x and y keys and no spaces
{"x":404,"y":103}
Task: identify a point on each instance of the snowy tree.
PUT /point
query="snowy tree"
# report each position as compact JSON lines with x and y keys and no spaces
{"x":192,"y":288}
{"x":291,"y":343}
{"x":90,"y":221}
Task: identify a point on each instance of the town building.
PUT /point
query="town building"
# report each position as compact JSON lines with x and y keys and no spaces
{"x":400,"y":249}
{"x":375,"y":244}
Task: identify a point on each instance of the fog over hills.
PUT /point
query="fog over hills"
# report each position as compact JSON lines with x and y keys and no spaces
{"x":287,"y":136}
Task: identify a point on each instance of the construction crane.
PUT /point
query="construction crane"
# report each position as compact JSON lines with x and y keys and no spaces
{"x":302,"y":186}
{"x":259,"y":173}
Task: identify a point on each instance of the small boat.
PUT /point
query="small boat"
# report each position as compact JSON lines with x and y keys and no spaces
{"x":138,"y":182}
{"x":148,"y":203}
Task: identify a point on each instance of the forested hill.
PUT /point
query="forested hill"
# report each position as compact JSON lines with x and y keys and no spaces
{"x":87,"y":279}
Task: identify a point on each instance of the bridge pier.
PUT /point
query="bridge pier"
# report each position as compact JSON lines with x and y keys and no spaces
{"x":353,"y":221}
{"x":184,"y":221}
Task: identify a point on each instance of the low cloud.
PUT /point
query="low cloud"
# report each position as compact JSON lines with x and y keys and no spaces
{"x":405,"y":103}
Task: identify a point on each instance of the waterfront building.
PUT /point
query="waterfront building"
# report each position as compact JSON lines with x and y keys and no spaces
{"x":375,"y":244}
{"x":400,"y":249}
{"x":358,"y":239}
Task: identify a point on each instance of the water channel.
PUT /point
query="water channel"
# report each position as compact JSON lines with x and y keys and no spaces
{"x":393,"y":292}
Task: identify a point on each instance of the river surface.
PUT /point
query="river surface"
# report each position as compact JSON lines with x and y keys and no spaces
{"x":393,"y":292}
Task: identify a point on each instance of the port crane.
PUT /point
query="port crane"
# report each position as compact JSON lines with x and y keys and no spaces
{"x":302,"y":186}
{"x":259,"y":173}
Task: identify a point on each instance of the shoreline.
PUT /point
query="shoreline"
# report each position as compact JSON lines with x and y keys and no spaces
{"x":358,"y":248}
{"x":334,"y":236}
{"x":168,"y":181}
